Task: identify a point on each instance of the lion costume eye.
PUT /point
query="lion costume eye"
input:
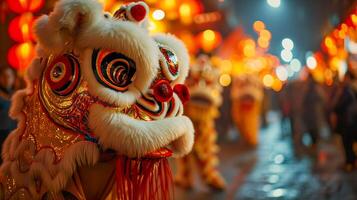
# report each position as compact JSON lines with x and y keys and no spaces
{"x":170,"y":64}
{"x":62,"y":74}
{"x":112,"y":69}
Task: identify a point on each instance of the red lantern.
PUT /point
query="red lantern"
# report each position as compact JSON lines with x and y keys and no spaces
{"x":20,"y":28}
{"x":21,"y":6}
{"x":20,"y":56}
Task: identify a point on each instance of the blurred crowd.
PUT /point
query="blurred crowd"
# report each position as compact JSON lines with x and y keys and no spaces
{"x":309,"y":108}
{"x":9,"y":83}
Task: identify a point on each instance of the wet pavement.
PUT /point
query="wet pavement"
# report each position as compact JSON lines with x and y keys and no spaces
{"x":275,"y":171}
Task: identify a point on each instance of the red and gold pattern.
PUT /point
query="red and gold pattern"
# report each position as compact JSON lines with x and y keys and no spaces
{"x":48,"y":135}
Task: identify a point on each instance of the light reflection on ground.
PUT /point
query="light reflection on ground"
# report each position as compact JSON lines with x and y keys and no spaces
{"x":274,"y":171}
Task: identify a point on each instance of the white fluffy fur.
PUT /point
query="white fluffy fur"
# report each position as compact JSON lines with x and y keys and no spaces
{"x":130,"y":40}
{"x":54,"y":176}
{"x":60,"y":30}
{"x":122,"y":133}
{"x":181,"y":52}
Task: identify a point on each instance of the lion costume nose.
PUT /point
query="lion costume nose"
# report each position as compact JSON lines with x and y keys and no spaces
{"x":163,"y":91}
{"x":182,"y":92}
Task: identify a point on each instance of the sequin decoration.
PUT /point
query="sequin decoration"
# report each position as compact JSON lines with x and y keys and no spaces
{"x":112,"y":69}
{"x":169,"y":63}
{"x":43,"y":133}
{"x":70,"y":111}
{"x":12,"y":191}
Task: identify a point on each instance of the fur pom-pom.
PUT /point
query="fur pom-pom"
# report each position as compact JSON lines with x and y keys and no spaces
{"x":137,"y":11}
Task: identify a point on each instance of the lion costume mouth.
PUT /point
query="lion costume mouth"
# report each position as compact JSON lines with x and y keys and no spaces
{"x":121,"y":132}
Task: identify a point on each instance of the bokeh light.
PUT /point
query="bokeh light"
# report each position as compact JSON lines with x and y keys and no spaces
{"x":209,"y":39}
{"x":185,"y":13}
{"x":311,"y":62}
{"x":295,"y":65}
{"x":258,"y":26}
{"x":277,"y":85}
{"x":281,"y":73}
{"x":158,"y":14}
{"x":268,"y":80}
{"x":286,"y":55}
{"x":225,"y":80}
{"x":274,"y":3}
{"x":287,"y":43}
{"x":249,"y":48}
{"x":265,"y":34}
{"x":263,"y":43}
{"x":209,"y":35}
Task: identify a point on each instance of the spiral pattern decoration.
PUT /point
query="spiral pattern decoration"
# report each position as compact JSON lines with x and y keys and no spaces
{"x":112,"y":69}
{"x":63,"y":74}
{"x":159,"y":110}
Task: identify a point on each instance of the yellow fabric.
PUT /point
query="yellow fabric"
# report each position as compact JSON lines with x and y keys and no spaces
{"x":204,"y":153}
{"x":247,"y":121}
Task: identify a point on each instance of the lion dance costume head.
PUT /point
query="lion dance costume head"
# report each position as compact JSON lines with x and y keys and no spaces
{"x":102,"y":111}
{"x":203,"y":109}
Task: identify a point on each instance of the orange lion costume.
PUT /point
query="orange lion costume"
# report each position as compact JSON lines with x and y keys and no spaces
{"x":202,"y":110}
{"x":247,"y":96}
{"x":102,"y":110}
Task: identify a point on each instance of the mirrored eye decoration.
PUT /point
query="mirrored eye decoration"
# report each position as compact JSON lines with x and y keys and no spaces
{"x":62,"y":74}
{"x":113,"y":70}
{"x":170,"y":66}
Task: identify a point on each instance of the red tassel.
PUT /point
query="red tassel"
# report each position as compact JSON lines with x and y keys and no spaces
{"x":146,"y":178}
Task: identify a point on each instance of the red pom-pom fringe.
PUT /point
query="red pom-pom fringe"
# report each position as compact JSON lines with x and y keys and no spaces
{"x":144,"y":179}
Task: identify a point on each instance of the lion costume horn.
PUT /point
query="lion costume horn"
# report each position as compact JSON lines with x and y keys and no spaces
{"x":102,"y":111}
